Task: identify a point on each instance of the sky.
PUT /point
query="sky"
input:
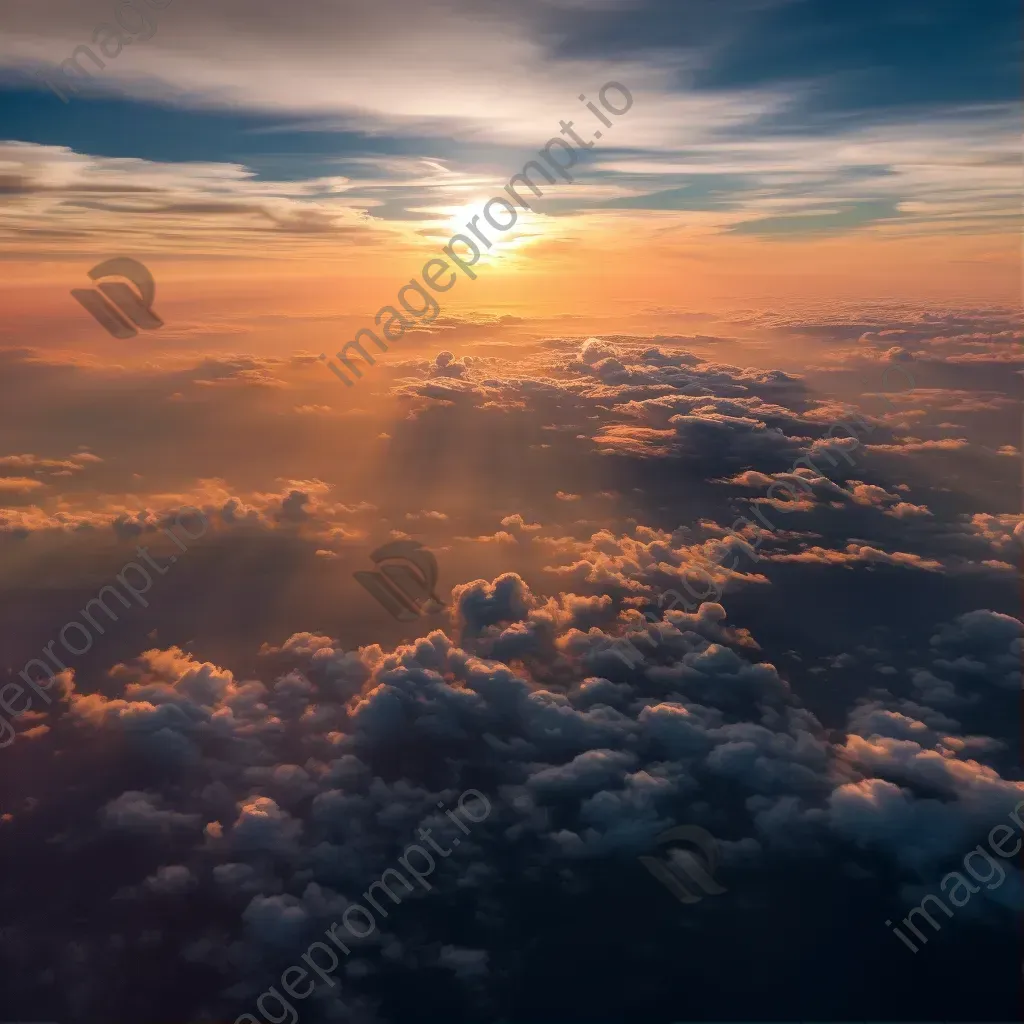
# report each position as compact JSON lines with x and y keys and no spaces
{"x":795,"y":148}
{"x":715,"y":446}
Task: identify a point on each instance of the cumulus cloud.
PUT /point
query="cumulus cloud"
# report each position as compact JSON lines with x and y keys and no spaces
{"x":608,"y":666}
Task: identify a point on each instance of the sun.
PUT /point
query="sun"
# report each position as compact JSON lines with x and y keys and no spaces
{"x":506,"y":244}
